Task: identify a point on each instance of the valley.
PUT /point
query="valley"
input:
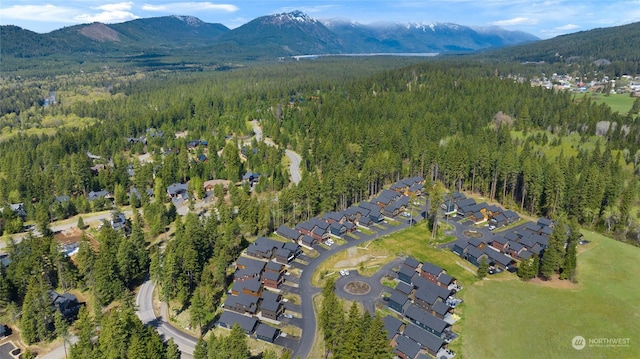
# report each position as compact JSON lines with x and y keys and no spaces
{"x":318,"y":189}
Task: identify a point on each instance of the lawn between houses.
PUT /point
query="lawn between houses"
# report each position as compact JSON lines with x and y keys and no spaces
{"x":503,"y":317}
{"x":414,"y":241}
{"x":513,"y":319}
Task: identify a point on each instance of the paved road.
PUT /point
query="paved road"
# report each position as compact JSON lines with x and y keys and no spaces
{"x":307,"y":291}
{"x":294,"y":166}
{"x":60,"y":352}
{"x":144,"y":302}
{"x":376,"y":288}
{"x":294,"y":158}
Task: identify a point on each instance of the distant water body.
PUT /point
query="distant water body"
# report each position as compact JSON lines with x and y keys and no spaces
{"x":405,"y":54}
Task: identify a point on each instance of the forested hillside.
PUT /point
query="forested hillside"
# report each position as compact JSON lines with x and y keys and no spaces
{"x":464,"y":126}
{"x":359,"y":125}
{"x":617,"y":45}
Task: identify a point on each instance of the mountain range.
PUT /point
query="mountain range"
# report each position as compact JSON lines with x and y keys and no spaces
{"x":286,"y":34}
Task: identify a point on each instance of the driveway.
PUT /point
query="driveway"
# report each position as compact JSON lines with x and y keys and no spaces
{"x":5,"y":350}
{"x":307,"y":291}
{"x":375,"y":285}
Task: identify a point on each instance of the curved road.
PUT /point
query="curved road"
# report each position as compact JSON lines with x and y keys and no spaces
{"x":294,"y":158}
{"x":307,"y":291}
{"x":144,"y":301}
{"x":186,"y":343}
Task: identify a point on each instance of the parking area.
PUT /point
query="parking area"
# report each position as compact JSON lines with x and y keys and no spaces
{"x":6,"y":349}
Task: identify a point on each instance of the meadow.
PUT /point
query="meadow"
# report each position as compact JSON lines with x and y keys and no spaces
{"x":513,"y":319}
{"x":503,"y":317}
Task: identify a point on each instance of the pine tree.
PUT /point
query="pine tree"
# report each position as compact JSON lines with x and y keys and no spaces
{"x":351,"y":345}
{"x":37,"y":313}
{"x":483,"y":268}
{"x":83,"y":348}
{"x":198,"y":310}
{"x":61,"y":329}
{"x":331,"y":317}
{"x":80,"y":224}
{"x":236,"y":341}
{"x":375,"y":343}
{"x":635,"y":108}
{"x":172,"y":350}
{"x":570,"y":258}
{"x":527,"y":270}
{"x":553,"y":255}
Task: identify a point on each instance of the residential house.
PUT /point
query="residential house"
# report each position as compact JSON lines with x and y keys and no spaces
{"x":251,"y":287}
{"x":511,"y":216}
{"x":445,"y":280}
{"x":247,"y":268}
{"x":500,"y":243}
{"x":397,"y":301}
{"x":422,"y":283}
{"x":515,"y":249}
{"x":135,"y":192}
{"x":440,"y":309}
{"x":365,"y":222}
{"x":460,"y":247}
{"x":308,"y":241}
{"x":270,"y":308}
{"x":474,"y":255}
{"x":392,"y":325}
{"x":293,"y":248}
{"x":67,"y":304}
{"x":416,"y":189}
{"x":405,"y":347}
{"x":272,"y":279}
{"x":350,"y":227}
{"x":337,"y":229}
{"x":227,"y":319}
{"x":241,"y":303}
{"x":411,"y":263}
{"x":497,"y":259}
{"x":333,"y":217}
{"x":545,"y":222}
{"x":499,"y":220}
{"x":479,"y":217}
{"x":178,"y":190}
{"x":425,"y":298}
{"x":385,"y":198}
{"x":264,"y":248}
{"x":431,"y":271}
{"x":288,"y":233}
{"x":405,"y":274}
{"x":427,"y":340}
{"x":404,"y":288}
{"x":267,"y":333}
{"x":396,"y":207}
{"x":251,"y":178}
{"x":463,"y":203}
{"x":97,"y":194}
{"x":374,"y":211}
{"x":421,"y":318}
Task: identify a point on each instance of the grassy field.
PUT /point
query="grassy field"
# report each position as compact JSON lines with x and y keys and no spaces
{"x":618,"y":102}
{"x":512,"y":319}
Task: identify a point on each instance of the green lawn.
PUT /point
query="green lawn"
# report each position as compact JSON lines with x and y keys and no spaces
{"x":512,"y":319}
{"x":618,"y":102}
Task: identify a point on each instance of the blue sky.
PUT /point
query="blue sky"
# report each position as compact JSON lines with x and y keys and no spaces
{"x":544,"y":19}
